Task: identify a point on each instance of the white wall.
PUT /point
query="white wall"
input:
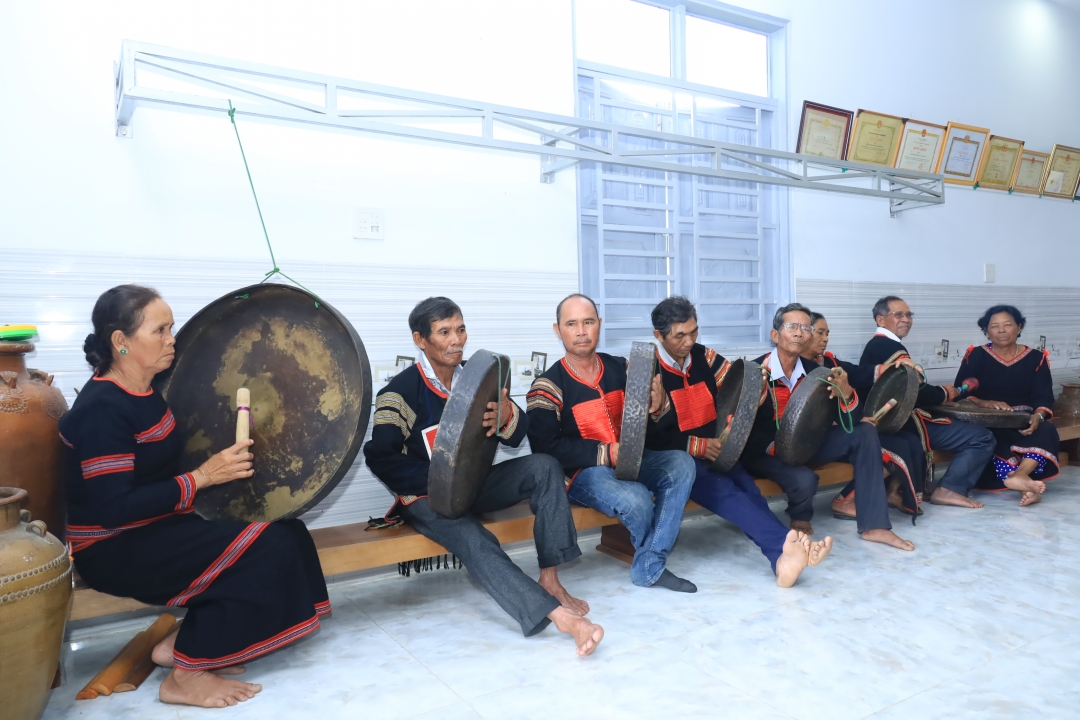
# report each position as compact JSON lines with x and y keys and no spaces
{"x":1006,"y":65}
{"x":178,"y":187}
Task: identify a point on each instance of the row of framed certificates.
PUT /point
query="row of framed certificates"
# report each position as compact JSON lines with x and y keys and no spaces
{"x":964,"y":154}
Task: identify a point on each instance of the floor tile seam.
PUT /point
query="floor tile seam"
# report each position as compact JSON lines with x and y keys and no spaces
{"x":419,"y":662}
{"x":744,"y":691}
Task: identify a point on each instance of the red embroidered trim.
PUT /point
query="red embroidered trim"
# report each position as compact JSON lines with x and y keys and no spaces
{"x":187,"y":491}
{"x":323,"y":608}
{"x":231,"y":555}
{"x":1007,"y":363}
{"x":83,"y":536}
{"x":694,"y":406}
{"x":64,"y":440}
{"x":159,"y":431}
{"x":601,"y":418}
{"x":283,"y":638}
{"x":117,"y":383}
{"x":108,"y":464}
{"x":432,"y":388}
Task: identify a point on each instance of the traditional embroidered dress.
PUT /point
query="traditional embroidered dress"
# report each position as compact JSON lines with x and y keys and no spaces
{"x":1024,"y":383}
{"x":249,"y":588}
{"x":901,"y":452}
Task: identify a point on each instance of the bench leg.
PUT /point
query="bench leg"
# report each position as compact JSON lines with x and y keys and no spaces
{"x":615,"y":541}
{"x":1071,"y":449}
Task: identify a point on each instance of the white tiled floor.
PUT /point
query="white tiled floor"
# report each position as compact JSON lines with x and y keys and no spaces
{"x":981,"y":621}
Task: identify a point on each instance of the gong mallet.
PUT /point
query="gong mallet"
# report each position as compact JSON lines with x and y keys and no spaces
{"x":119,"y":668}
{"x":884,"y":409}
{"x":243,"y":415}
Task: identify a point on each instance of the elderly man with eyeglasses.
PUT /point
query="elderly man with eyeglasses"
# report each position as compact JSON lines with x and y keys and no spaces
{"x":972,"y":444}
{"x":860,"y":447}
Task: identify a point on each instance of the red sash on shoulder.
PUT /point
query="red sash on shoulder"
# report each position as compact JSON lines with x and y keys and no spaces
{"x":694,"y":406}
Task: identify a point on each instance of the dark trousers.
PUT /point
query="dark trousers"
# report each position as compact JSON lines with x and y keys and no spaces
{"x":735,"y":497}
{"x":538,"y":479}
{"x":861,"y":448}
{"x":973,"y":446}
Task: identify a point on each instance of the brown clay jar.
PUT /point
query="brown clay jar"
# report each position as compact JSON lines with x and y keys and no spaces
{"x":35,"y":598}
{"x":1067,"y":408}
{"x":31,"y":452}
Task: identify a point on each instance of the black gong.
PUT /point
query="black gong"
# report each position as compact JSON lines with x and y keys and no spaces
{"x":738,"y":399}
{"x":969,"y":412}
{"x":635,"y":418}
{"x":807,"y":418}
{"x":896,"y":383}
{"x":310,"y":386}
{"x":462,"y":454}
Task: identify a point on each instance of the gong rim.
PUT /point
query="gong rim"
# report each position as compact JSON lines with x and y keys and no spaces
{"x":970,"y":413}
{"x":635,"y":419}
{"x":888,"y":386}
{"x":797,"y":442}
{"x":192,"y":331}
{"x":462,"y":454}
{"x":747,"y":396}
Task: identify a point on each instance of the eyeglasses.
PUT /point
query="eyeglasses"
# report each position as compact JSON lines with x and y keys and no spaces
{"x":792,"y":327}
{"x":903,"y":315}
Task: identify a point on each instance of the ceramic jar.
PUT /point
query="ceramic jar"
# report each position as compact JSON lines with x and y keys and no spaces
{"x":1067,"y":408}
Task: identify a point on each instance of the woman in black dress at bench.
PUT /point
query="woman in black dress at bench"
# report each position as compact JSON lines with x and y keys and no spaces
{"x":249,"y":588}
{"x":1014,"y":376}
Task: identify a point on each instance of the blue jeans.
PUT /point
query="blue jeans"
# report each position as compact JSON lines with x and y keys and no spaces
{"x":668,"y":476}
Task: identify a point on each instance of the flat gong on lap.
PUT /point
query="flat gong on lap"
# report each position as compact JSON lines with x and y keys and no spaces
{"x":737,"y":398}
{"x":462,"y":453}
{"x":808,"y":415}
{"x":310,"y":384}
{"x":635,"y":419}
{"x":896,"y":383}
{"x":969,"y":412}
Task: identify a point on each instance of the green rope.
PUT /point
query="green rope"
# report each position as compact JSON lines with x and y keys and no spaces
{"x":273,"y":260}
{"x":849,"y":426}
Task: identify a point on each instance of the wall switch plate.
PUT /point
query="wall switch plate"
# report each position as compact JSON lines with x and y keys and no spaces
{"x":989,"y":272}
{"x":944,"y":349}
{"x":369,"y":224}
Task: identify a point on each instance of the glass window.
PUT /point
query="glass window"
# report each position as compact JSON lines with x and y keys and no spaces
{"x":624,"y":33}
{"x":726,"y":57}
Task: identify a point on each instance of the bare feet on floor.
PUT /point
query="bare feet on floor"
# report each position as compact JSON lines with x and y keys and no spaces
{"x":1030,"y":490}
{"x":1030,"y":498}
{"x":163,"y":655}
{"x":549,"y":580}
{"x":944,"y":496}
{"x":204,"y":689}
{"x":793,"y":560}
{"x":802,"y":526}
{"x":843,"y":507}
{"x":820,"y":550}
{"x":587,"y":635}
{"x":887,"y":537}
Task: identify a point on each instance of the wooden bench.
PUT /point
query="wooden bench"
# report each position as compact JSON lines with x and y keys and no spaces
{"x":351,"y":548}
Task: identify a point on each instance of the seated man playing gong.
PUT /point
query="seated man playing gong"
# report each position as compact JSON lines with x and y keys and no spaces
{"x":576,"y":414}
{"x":407,"y":415}
{"x":692,"y":375}
{"x":859,"y":445}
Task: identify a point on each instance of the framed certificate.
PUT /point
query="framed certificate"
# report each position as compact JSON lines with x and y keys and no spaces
{"x":1062,"y":172}
{"x":1000,"y":163}
{"x":875,"y":138}
{"x":824,"y":131}
{"x":920,"y":146}
{"x":1029,"y":175}
{"x":962,"y":153}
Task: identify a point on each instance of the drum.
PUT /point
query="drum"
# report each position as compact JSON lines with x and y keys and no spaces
{"x":808,"y":415}
{"x":896,"y":383}
{"x":737,"y":399}
{"x":969,"y":412}
{"x":462,"y":453}
{"x":310,"y":384}
{"x":635,"y":419}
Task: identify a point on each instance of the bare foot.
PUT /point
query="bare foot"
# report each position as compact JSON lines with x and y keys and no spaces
{"x":1024,"y":484}
{"x":820,"y":550}
{"x":1030,"y":498}
{"x":163,"y":652}
{"x":887,"y":537}
{"x":844,"y":507}
{"x":793,"y":560}
{"x":549,"y":580}
{"x":204,"y":689}
{"x":944,"y":496}
{"x":894,"y":497}
{"x":802,"y":526}
{"x":587,"y":635}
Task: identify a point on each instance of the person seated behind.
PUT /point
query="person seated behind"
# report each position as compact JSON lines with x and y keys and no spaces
{"x":575,"y":414}
{"x":790,"y":334}
{"x":248,"y":588}
{"x":902,"y":453}
{"x":407,"y":416}
{"x":1014,"y":377}
{"x":972,"y":444}
{"x":692,"y":375}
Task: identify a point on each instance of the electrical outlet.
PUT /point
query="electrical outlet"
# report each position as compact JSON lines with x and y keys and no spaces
{"x":1042,"y":342}
{"x":369,"y":224}
{"x":944,"y":352}
{"x":989,"y":272}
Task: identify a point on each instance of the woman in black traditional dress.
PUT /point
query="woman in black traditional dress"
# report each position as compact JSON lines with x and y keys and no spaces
{"x":1016,"y":377}
{"x":249,"y":588}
